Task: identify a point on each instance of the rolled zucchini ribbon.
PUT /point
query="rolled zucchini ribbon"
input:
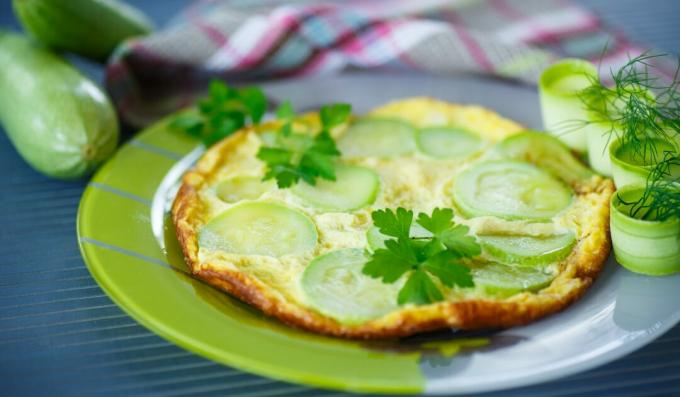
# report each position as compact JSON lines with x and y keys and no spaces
{"x":564,"y":114}
{"x":643,"y":246}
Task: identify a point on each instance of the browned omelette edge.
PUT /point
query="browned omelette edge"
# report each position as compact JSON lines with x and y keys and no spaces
{"x":577,"y":273}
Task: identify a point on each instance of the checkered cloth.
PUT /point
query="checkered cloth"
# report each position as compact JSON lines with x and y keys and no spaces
{"x":244,"y":41}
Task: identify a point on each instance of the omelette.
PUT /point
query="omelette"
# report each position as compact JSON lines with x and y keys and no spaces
{"x":540,"y":216}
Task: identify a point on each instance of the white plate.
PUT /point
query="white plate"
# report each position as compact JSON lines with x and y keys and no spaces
{"x":621,"y":312}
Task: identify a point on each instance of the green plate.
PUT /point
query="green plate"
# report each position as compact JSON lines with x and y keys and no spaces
{"x":128,"y":242}
{"x":130,"y":248}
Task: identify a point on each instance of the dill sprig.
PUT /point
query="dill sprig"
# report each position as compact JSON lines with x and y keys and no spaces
{"x":661,"y":198}
{"x":639,"y":107}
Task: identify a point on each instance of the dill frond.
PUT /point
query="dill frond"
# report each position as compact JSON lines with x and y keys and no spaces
{"x":661,"y":198}
{"x":638,"y":108}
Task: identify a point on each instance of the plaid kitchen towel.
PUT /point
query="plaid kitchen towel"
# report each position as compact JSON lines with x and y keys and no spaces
{"x":247,"y":40}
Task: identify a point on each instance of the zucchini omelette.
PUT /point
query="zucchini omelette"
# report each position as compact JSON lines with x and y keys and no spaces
{"x":540,"y":216}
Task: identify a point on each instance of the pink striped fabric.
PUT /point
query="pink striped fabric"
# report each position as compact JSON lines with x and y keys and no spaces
{"x":243,"y":41}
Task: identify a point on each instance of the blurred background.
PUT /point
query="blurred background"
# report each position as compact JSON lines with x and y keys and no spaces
{"x":650,"y":23}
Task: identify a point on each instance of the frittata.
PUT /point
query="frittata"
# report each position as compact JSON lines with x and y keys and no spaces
{"x":542,"y":246}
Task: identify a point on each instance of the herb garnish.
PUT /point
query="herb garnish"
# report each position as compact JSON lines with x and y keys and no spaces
{"x":639,"y":107}
{"x":660,"y":200}
{"x":642,"y":110}
{"x":439,"y":256}
{"x":224,"y":111}
{"x":298,"y":156}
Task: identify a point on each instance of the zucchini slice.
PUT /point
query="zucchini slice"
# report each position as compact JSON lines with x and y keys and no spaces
{"x":529,"y":250}
{"x":504,"y":280}
{"x":334,"y":285}
{"x":447,"y":142}
{"x":378,"y":138}
{"x":545,"y":151}
{"x":243,"y":188}
{"x":353,"y":188}
{"x":510,"y":190}
{"x":259,"y":228}
{"x":376,"y":240}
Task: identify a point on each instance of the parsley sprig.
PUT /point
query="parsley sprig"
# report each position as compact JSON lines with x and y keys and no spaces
{"x":438,"y":256}
{"x":300,"y":156}
{"x":224,"y":111}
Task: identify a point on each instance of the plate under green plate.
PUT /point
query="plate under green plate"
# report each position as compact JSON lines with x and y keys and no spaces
{"x":130,"y":248}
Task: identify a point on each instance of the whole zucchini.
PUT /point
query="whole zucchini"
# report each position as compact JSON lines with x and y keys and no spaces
{"x":60,"y":122}
{"x":92,"y":28}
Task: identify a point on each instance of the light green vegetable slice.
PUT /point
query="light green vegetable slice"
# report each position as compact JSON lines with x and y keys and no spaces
{"x":630,"y":168}
{"x":259,"y":228}
{"x":505,"y":280}
{"x":510,"y":190}
{"x":648,"y":246}
{"x":447,"y":142}
{"x":376,"y":240}
{"x":529,"y":250}
{"x":545,"y":151}
{"x":562,"y":110}
{"x":608,"y":110}
{"x":243,"y":188}
{"x":334,"y":285}
{"x":353,"y":188}
{"x":379,"y":138}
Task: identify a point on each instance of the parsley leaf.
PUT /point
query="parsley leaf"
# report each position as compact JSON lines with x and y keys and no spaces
{"x":395,"y":224}
{"x":457,"y":240}
{"x":275,"y":156}
{"x":285,"y":111}
{"x":255,"y":102}
{"x":441,"y":219}
{"x":449,"y":235}
{"x":386,"y":265}
{"x":334,"y":115}
{"x":419,"y":289}
{"x":224,"y":111}
{"x":441,"y":266}
{"x":423,"y":258}
{"x":316,"y":164}
{"x":300,"y":156}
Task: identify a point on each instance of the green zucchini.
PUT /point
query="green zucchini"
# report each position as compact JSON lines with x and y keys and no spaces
{"x":645,"y":246}
{"x":378,"y":137}
{"x":547,"y":152}
{"x":447,"y":142}
{"x":354,"y":187}
{"x":61,"y":123}
{"x":334,"y":285}
{"x":497,"y":279}
{"x":259,"y":228}
{"x":510,"y":190}
{"x":564,"y":114}
{"x":528,"y":250}
{"x":91,"y":28}
{"x":240,"y":188}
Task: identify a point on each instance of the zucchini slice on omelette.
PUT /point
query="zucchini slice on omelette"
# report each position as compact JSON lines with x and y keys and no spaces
{"x":540,"y":216}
